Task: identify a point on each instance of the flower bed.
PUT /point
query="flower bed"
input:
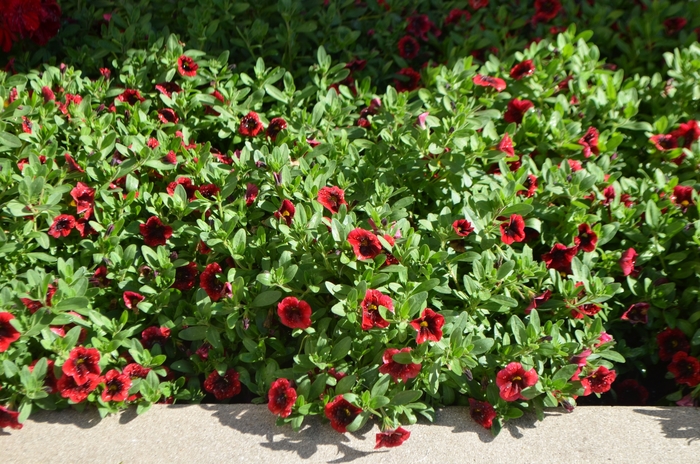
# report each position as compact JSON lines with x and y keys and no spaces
{"x":500,"y":234}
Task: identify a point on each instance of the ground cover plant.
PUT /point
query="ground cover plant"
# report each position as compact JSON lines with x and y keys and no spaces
{"x":510,"y":232}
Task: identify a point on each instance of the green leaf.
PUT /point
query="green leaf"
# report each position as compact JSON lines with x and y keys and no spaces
{"x":198,"y":332}
{"x":381,"y":385}
{"x":266,"y":298}
{"x":520,"y":208}
{"x":406,"y":397}
{"x":653,"y":214}
{"x":565,"y":372}
{"x":341,"y":348}
{"x":72,"y":304}
{"x":345,"y":384}
{"x":481,"y":346}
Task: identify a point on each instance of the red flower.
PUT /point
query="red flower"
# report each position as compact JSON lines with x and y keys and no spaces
{"x":365,"y":244}
{"x":488,"y":81}
{"x":223,"y":387}
{"x":671,"y":341}
{"x":462,"y":227}
{"x":170,"y":158}
{"x":276,"y":126}
{"x":482,"y":412}
{"x":392,"y":438}
{"x":409,"y":81}
{"x":22,"y":16}
{"x":455,"y":15}
{"x":8,"y":419}
{"x":81,"y":364}
{"x":523,"y":69}
{"x":685,"y":369}
{"x":517,"y":109}
{"x":627,"y":261}
{"x":683,"y":195}
{"x":281,"y":398}
{"x":186,"y":66}
{"x":637,"y":313}
{"x":209,"y":191}
{"x":428,"y":326}
{"x":117,"y":386}
{"x":49,"y":22}
{"x":396,"y":370}
{"x":506,"y":145}
{"x":250,"y":125}
{"x":8,"y":334}
{"x":293,"y":313}
{"x":559,"y":258}
{"x":674,"y":25}
{"x":166,"y":115}
{"x":586,"y":239}
{"x":130,"y":96}
{"x":513,"y":379}
{"x":537,"y":300}
{"x":664,"y":142}
{"x":132,"y":299}
{"x":27,"y":125}
{"x":631,"y":393}
{"x":530,"y":185}
{"x":186,"y":183}
{"x":599,"y":381}
{"x":153,"y":335}
{"x":478,"y":4}
{"x":106,"y":73}
{"x":419,"y":26}
{"x":84,"y":197}
{"x":408,"y":47}
{"x":514,"y":230}
{"x":251,"y":193}
{"x":209,"y":281}
{"x":590,"y":142}
{"x":185,"y":277}
{"x":331,"y":198}
{"x":48,"y":94}
{"x":99,"y":278}
{"x":589,"y":310}
{"x":155,"y":232}
{"x":136,"y":371}
{"x":341,"y":413}
{"x":168,"y":88}
{"x":71,"y":164}
{"x":546,"y":10}
{"x":286,"y":212}
{"x":370,"y":309}
{"x":69,"y":388}
{"x":689,"y":132}
{"x":62,"y":225}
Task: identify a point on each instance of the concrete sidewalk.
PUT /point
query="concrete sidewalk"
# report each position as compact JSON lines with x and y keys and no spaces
{"x":247,"y":433}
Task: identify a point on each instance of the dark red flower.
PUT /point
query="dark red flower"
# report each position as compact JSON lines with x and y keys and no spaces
{"x":83,"y":226}
{"x":8,"y":334}
{"x":185,"y":277}
{"x":136,"y":371}
{"x":84,"y":197}
{"x":117,"y":386}
{"x":670,"y":342}
{"x":166,"y":115}
{"x":391,"y":438}
{"x":636,"y":313}
{"x":286,"y":212}
{"x":674,"y":25}
{"x":250,"y":125}
{"x":209,"y":191}
{"x":276,"y":126}
{"x":409,"y":79}
{"x":211,"y":284}
{"x":546,"y":10}
{"x":153,"y":335}
{"x":48,"y":94}
{"x":513,"y":230}
{"x":523,"y":69}
{"x":365,"y":244}
{"x":428,"y":326}
{"x":530,"y":185}
{"x":106,"y":73}
{"x":170,"y":158}
{"x":71,"y":164}
{"x":455,"y":15}
{"x":99,"y":278}
{"x":631,"y":393}
{"x":155,"y":232}
{"x":590,"y":142}
{"x":27,"y":125}
{"x":408,"y":47}
{"x":69,"y":388}
{"x":683,"y":196}
{"x":627,"y":261}
{"x":281,"y":398}
{"x":664,"y":142}
{"x":251,"y":193}
{"x":516,"y":110}
{"x":419,"y":26}
{"x":586,"y":239}
{"x":331,"y":198}
{"x":223,"y":387}
{"x":536,"y":301}
{"x":62,"y":226}
{"x":396,"y":370}
{"x":559,"y":258}
{"x":130,"y":96}
{"x":462,"y":227}
{"x":49,"y":22}
{"x":186,"y":183}
{"x":186,"y":66}
{"x":132,"y":299}
{"x":688,"y":132}
{"x":589,"y":310}
{"x":81,"y":364}
{"x":293,"y":313}
{"x":685,"y":369}
{"x":341,"y":413}
{"x":482,"y":412}
{"x":513,"y":379}
{"x":599,"y":381}
{"x":478,"y":4}
{"x":488,"y":81}
{"x":168,"y":88}
{"x":22,"y":17}
{"x":506,"y":145}
{"x":8,"y":419}
{"x":370,"y":309}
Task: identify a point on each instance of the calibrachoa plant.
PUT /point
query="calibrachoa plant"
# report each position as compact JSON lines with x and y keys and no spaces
{"x":499,"y":235}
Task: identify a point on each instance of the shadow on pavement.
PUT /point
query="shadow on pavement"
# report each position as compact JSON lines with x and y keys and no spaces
{"x":84,"y":419}
{"x":677,"y":422}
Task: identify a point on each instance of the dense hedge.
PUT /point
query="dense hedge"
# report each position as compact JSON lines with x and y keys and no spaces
{"x":500,"y":234}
